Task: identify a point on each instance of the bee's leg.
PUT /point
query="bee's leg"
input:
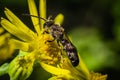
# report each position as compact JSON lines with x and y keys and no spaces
{"x":58,"y":43}
{"x":61,"y":51}
{"x":50,"y":40}
{"x":46,"y":32}
{"x":61,"y":54}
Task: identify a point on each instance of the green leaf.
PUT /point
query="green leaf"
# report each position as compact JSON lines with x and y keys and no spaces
{"x":4,"y":69}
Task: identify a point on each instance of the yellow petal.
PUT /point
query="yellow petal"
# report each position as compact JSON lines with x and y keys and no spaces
{"x":42,"y":11}
{"x":83,"y":69}
{"x":1,"y":30}
{"x":54,"y":70}
{"x":58,"y":72}
{"x":15,"y":31}
{"x":3,"y":38}
{"x":53,"y":78}
{"x":17,"y":22}
{"x":20,"y":45}
{"x":33,"y":11}
{"x":59,"y":19}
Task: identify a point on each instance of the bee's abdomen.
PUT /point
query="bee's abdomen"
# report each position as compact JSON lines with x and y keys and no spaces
{"x":71,"y":52}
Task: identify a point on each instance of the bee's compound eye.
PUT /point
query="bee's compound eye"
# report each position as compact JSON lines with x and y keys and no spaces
{"x":48,"y":23}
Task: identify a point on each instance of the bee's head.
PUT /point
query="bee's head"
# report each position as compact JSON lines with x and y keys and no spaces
{"x":48,"y":22}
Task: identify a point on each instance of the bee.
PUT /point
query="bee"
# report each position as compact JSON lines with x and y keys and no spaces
{"x":57,"y":32}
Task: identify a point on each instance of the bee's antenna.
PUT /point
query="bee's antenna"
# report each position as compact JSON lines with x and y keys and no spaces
{"x":35,"y":16}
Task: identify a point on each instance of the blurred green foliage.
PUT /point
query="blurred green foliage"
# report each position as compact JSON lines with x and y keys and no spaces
{"x":93,"y":50}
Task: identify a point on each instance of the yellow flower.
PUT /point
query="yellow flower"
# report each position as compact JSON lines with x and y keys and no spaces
{"x":97,"y":76}
{"x":6,"y":49}
{"x":35,"y":46}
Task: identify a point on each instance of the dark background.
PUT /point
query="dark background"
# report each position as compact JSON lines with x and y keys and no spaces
{"x":93,"y":25}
